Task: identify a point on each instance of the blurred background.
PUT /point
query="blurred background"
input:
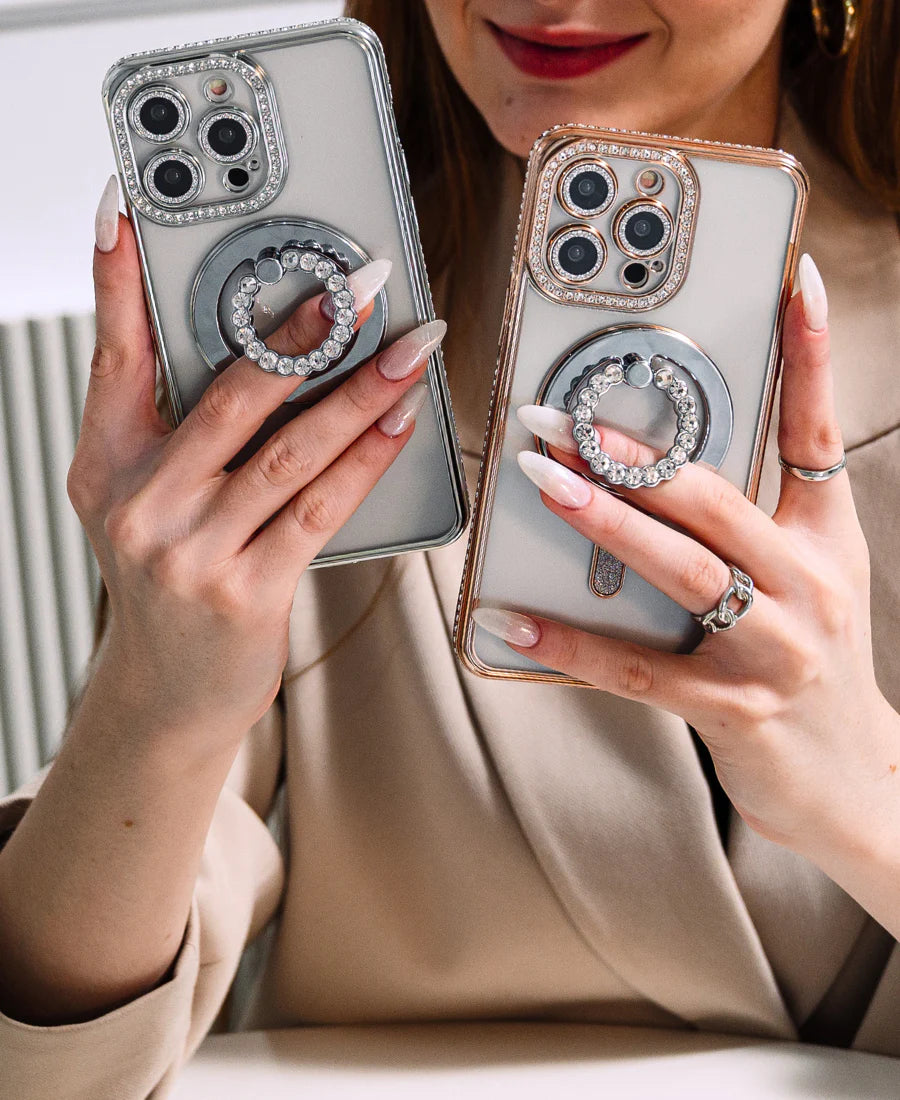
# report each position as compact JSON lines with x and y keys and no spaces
{"x":53,"y":56}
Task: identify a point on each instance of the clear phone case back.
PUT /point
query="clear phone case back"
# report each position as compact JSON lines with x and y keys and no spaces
{"x":326,"y":171}
{"x":635,"y":253}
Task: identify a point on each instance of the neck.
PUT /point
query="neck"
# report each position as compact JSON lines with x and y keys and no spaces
{"x":748,"y":115}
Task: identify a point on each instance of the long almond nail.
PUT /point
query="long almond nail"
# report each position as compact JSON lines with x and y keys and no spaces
{"x":812,"y":290}
{"x":411,"y":350}
{"x":400,"y":415}
{"x":365,"y":282}
{"x":508,"y":625}
{"x":106,"y":222}
{"x":564,"y":486}
{"x":551,"y":425}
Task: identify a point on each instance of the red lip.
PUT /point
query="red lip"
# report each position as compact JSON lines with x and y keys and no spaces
{"x":560,"y":54}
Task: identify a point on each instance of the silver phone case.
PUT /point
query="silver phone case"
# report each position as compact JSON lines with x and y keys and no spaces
{"x":722,"y":317}
{"x":339,"y":177}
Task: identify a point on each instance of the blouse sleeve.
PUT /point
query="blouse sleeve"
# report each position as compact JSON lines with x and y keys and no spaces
{"x":135,"y":1051}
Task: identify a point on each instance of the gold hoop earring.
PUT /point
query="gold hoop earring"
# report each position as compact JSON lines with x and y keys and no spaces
{"x":823,"y":31}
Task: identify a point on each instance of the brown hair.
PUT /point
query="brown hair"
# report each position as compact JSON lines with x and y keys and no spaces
{"x":851,"y":105}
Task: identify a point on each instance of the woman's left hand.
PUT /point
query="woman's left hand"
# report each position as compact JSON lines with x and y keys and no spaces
{"x":804,"y":743}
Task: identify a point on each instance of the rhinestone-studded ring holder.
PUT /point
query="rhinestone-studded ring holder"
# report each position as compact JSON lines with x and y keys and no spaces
{"x":633,"y":370}
{"x":270,"y":269}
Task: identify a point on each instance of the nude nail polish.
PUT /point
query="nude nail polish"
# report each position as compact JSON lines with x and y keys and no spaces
{"x":410,"y":351}
{"x":812,"y":290}
{"x":551,"y":425}
{"x":365,"y":282}
{"x":106,"y":222}
{"x":400,"y":415}
{"x":557,"y":481}
{"x":508,"y":625}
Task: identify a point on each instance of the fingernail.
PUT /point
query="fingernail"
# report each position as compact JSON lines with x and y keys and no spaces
{"x":400,"y":415}
{"x":106,"y":222}
{"x":410,"y":351}
{"x":706,"y":465}
{"x":564,"y":486}
{"x":549,"y":424}
{"x":812,"y":289}
{"x":508,"y":625}
{"x":365,"y":283}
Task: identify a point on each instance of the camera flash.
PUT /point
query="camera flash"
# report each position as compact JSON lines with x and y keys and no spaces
{"x":649,"y":182}
{"x":216,"y":89}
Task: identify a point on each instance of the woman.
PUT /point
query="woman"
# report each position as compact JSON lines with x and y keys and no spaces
{"x":460,"y":848}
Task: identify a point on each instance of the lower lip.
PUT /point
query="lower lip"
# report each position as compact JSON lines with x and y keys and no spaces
{"x":560,"y":63}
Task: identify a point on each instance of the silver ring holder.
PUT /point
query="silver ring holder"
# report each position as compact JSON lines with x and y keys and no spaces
{"x":248,"y":252}
{"x":625,"y":374}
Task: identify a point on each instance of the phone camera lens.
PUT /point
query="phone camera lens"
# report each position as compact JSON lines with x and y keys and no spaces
{"x":227,"y":135}
{"x":159,"y":114}
{"x":173,"y":178}
{"x":576,"y":255}
{"x":643,"y":229}
{"x":587,"y":189}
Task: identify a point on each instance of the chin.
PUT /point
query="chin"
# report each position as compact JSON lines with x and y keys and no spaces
{"x":517,"y":124}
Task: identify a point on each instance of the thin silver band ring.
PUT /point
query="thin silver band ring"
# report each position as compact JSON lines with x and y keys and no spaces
{"x":813,"y":475}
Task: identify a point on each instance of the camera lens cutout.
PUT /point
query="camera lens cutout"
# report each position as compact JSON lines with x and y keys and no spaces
{"x":643,"y":229}
{"x":237,"y":179}
{"x":227,"y":135}
{"x":173,"y":177}
{"x":587,"y":189}
{"x":577,"y":254}
{"x":634,"y":275}
{"x":159,"y":114}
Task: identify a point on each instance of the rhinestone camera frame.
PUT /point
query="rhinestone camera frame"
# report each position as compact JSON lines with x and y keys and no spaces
{"x":269,"y":139}
{"x":583,"y":151}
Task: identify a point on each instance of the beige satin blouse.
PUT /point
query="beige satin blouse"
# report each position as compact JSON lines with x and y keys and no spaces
{"x":450,"y":847}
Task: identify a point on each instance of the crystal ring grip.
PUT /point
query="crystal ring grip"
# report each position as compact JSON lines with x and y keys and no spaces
{"x":270,"y":268}
{"x":635,"y":371}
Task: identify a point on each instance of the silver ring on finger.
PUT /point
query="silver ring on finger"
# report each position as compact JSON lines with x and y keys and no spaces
{"x":723,"y":617}
{"x":813,"y":475}
{"x":270,"y":269}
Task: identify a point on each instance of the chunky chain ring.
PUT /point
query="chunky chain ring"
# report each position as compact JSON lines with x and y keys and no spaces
{"x":722,"y":617}
{"x":634,"y":371}
{"x":269,"y":269}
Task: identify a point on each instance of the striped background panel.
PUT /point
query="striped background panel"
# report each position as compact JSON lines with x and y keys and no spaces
{"x":48,"y":573}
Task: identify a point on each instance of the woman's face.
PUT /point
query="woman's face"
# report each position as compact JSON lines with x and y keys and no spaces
{"x":697,"y":68}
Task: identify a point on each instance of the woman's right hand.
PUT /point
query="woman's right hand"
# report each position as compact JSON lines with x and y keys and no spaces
{"x":200,"y":598}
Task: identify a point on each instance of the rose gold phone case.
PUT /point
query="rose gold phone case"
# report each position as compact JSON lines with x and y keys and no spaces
{"x":714,"y":311}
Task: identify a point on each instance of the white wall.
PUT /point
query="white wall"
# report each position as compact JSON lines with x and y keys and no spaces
{"x":57,"y":151}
